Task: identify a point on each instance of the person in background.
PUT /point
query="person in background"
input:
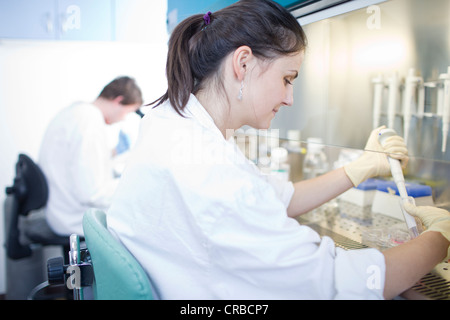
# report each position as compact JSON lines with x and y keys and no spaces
{"x":203,"y":221}
{"x":76,"y":157}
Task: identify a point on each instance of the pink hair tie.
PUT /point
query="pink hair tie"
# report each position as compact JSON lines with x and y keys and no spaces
{"x":207,"y":18}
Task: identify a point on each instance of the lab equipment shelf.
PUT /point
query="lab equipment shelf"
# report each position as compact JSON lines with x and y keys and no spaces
{"x":352,"y":227}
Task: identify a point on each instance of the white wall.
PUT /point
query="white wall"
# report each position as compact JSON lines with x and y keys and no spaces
{"x":38,"y":78}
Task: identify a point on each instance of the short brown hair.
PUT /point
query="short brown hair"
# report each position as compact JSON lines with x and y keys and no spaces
{"x":123,"y":86}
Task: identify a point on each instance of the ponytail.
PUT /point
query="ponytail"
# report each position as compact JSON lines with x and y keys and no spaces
{"x":178,"y":71}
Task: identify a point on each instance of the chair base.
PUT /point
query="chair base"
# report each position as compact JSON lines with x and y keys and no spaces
{"x":44,"y":291}
{"x":25,"y":274}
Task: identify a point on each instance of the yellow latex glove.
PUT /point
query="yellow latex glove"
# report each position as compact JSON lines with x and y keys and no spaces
{"x":433,"y":219}
{"x":374,"y":160}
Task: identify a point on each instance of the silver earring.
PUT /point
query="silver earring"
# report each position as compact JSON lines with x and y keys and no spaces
{"x":240,"y":91}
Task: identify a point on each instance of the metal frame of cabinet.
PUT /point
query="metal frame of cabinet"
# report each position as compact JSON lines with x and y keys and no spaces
{"x":180,"y":9}
{"x":313,"y":6}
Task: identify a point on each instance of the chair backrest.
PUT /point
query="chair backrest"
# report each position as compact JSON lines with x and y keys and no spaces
{"x":29,"y":192}
{"x":30,"y":186}
{"x":117,"y":274}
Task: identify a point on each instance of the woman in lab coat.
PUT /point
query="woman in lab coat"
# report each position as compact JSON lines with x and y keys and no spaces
{"x":203,"y":221}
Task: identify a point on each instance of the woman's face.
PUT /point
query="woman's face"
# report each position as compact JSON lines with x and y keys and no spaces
{"x":270,"y":88}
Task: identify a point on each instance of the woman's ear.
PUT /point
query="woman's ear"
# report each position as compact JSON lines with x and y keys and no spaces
{"x":241,"y":58}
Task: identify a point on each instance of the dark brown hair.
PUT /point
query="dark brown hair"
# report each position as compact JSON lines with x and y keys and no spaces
{"x":196,"y":50}
{"x":123,"y":86}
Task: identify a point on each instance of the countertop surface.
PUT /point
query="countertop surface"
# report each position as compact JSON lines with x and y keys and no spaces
{"x":353,"y":227}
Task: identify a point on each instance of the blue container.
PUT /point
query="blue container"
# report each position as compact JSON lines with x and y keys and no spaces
{"x":369,"y":184}
{"x":414,"y":190}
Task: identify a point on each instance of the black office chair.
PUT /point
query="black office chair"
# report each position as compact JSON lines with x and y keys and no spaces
{"x":29,"y":192}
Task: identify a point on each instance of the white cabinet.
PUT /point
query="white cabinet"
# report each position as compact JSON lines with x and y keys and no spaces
{"x":134,"y":21}
{"x":85,"y":20}
{"x":57,"y":19}
{"x":27,"y":19}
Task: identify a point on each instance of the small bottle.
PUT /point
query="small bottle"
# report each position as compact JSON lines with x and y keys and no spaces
{"x":296,"y":154}
{"x":279,"y":165}
{"x":315,"y":162}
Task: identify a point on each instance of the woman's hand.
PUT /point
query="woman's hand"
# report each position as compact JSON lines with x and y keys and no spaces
{"x":374,"y":160}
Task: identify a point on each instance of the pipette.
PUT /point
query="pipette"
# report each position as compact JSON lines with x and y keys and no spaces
{"x":411,"y":83}
{"x":392,"y":102}
{"x":446,"y":110}
{"x":399,"y":180}
{"x":421,"y":99}
{"x":377,"y":100}
{"x":440,"y":94}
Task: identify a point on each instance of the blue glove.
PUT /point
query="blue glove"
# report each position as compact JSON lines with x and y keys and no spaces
{"x":123,"y":144}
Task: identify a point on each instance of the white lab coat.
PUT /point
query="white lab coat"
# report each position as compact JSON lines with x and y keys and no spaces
{"x":75,"y":157}
{"x":206,"y":224}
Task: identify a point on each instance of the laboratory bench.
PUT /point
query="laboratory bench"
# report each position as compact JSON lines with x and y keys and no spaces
{"x":354,"y":227}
